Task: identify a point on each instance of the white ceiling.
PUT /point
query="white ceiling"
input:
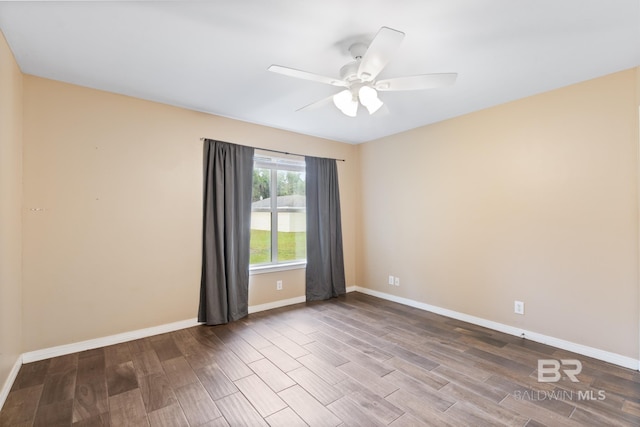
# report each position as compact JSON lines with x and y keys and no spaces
{"x":213,"y":56}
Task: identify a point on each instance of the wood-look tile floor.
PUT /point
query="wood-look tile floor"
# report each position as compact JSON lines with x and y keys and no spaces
{"x":351,"y":361}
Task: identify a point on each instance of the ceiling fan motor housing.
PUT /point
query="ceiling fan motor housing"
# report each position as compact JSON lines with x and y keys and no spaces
{"x":357,"y":50}
{"x":349,"y":73}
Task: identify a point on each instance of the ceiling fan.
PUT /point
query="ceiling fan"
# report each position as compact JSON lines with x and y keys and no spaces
{"x":358,"y":78}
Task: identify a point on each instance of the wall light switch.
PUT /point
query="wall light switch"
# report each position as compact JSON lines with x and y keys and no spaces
{"x":391,"y":280}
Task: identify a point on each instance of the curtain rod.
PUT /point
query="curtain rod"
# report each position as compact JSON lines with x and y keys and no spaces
{"x":281,"y":152}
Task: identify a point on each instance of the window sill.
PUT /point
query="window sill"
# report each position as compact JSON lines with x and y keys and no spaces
{"x":263,"y":269}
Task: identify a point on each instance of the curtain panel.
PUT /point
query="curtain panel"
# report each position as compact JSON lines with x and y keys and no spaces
{"x":224,"y":285}
{"x":325,"y":276}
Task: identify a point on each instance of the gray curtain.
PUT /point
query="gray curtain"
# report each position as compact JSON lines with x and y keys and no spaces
{"x":325,"y":262}
{"x":224,"y":286}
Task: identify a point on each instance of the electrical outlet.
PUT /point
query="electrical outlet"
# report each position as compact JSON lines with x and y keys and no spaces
{"x":391,"y":282}
{"x":279,"y":285}
{"x":518,"y":307}
{"x":397,"y":281}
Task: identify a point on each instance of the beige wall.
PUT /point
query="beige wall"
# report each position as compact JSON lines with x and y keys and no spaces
{"x":10,"y":210}
{"x":535,"y":200}
{"x":116,"y":246}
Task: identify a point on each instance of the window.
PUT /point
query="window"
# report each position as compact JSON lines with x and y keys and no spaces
{"x":278,"y":224}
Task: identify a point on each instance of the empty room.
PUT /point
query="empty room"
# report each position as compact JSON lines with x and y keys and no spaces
{"x":338,"y":213}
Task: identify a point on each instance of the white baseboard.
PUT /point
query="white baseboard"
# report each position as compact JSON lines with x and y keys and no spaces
{"x":286,"y":302}
{"x":596,"y":353}
{"x":276,"y":304}
{"x":34,"y":356}
{"x":61,"y":350}
{"x":6,"y":387}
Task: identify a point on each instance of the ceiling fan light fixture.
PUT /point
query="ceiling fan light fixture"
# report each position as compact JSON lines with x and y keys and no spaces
{"x":369,"y":98}
{"x":346,"y":103}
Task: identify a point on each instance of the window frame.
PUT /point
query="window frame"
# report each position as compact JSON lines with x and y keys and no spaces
{"x":275,"y":164}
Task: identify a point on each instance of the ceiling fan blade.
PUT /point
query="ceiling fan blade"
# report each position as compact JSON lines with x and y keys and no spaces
{"x":422,"y":81}
{"x":305,"y":75}
{"x":320,"y":103}
{"x":377,"y":56}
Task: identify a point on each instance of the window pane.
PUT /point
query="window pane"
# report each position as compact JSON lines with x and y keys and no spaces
{"x":278,"y":217}
{"x":261,"y":217}
{"x":291,"y":183}
{"x":261,"y":186}
{"x":260,"y":238}
{"x":292,"y":236}
{"x":292,"y":219}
